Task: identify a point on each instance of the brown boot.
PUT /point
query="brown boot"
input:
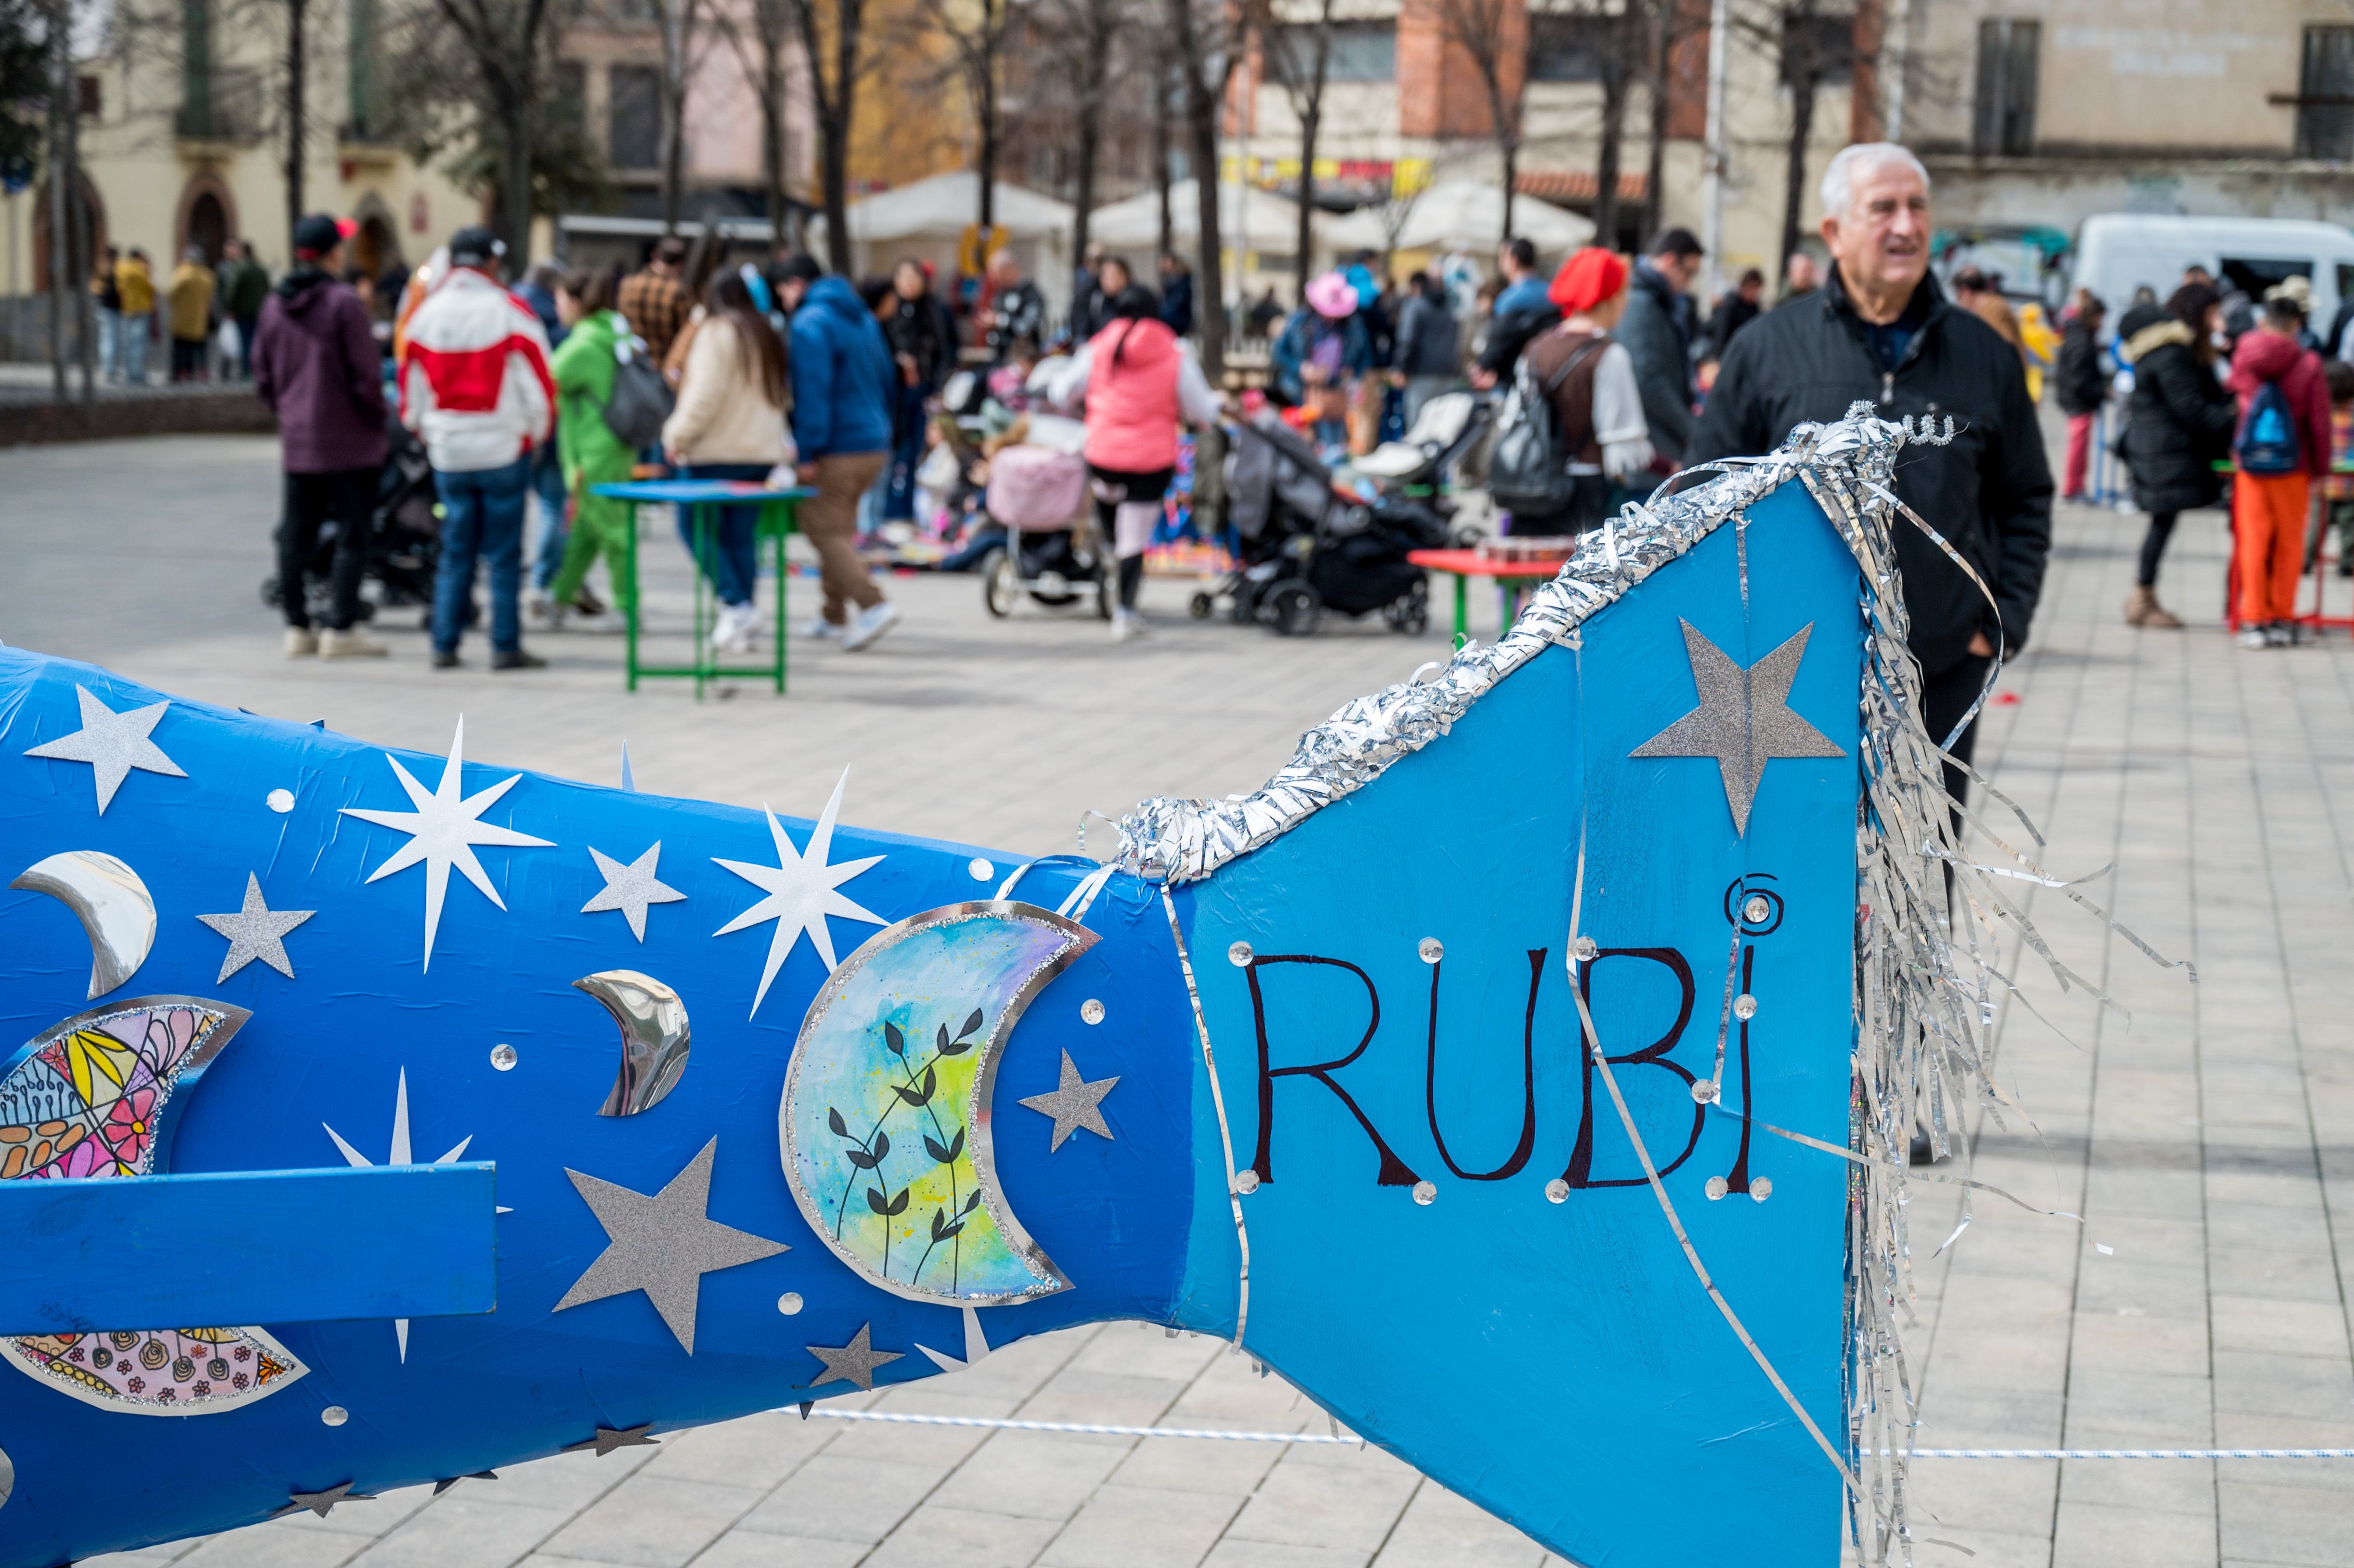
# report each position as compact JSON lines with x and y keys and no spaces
{"x":2142,"y":608}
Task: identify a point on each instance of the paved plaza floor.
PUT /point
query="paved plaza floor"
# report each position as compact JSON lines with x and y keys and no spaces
{"x":2209,"y":1143}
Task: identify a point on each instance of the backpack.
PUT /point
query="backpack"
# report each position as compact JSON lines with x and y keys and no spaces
{"x":1528,"y":473}
{"x":2267,"y":442}
{"x":641,"y":399}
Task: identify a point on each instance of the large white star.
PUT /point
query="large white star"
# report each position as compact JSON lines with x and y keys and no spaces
{"x":397,"y":1154}
{"x":113,"y":743}
{"x":443,"y":832}
{"x":801,"y":892}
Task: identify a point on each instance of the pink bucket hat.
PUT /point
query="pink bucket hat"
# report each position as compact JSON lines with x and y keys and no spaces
{"x":1333,"y":296}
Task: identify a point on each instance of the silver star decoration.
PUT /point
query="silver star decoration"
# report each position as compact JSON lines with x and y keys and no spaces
{"x":398,"y":1154}
{"x":256,"y":931}
{"x":113,"y":743}
{"x":663,"y":1244}
{"x":630,"y":888}
{"x":608,"y":1439}
{"x":1743,"y":720}
{"x":443,"y":831}
{"x":323,"y":1503}
{"x":801,"y":892}
{"x":446,"y":1482}
{"x":1074,"y":1104}
{"x":853,"y":1363}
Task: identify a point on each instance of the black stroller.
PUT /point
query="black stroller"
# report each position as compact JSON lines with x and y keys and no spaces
{"x":1307,"y":547}
{"x":403,"y":543}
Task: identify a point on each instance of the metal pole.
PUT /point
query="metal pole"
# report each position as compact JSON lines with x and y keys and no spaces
{"x":1720,"y":23}
{"x":1895,"y":76}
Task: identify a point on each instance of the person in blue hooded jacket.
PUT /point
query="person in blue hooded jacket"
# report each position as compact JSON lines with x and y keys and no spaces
{"x":843,"y":382}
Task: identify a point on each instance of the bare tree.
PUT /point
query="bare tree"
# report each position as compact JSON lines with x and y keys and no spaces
{"x":678,"y":25}
{"x":1300,"y":57}
{"x":1670,"y":24}
{"x":1160,"y":155}
{"x":1082,"y":36}
{"x":69,"y":237}
{"x":1493,"y":36}
{"x":1207,"y":44}
{"x":834,"y":38}
{"x":505,"y":43}
{"x":765,"y":60}
{"x":1814,"y":47}
{"x":1614,"y":33}
{"x":975,"y":31}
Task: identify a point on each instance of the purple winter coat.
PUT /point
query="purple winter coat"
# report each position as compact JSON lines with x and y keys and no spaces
{"x":315,"y":363}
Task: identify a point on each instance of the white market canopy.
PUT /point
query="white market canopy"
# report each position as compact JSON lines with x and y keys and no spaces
{"x":943,"y":205}
{"x":1463,"y":214}
{"x":1134,"y":225}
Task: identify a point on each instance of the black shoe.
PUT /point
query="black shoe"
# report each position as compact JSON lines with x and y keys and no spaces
{"x":445,"y":657}
{"x":517,"y":659}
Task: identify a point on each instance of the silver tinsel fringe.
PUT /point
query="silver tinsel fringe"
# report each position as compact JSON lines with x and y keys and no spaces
{"x":1927,"y":982}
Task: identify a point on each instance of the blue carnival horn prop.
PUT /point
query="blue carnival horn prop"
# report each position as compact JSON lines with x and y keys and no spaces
{"x":1525,"y":1073}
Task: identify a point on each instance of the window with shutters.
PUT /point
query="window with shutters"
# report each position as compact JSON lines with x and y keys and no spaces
{"x":2325,"y":108}
{"x":2010,"y":61}
{"x":633,"y":117}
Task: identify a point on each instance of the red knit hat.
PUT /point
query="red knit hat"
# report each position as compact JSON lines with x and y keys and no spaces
{"x":1587,"y":279}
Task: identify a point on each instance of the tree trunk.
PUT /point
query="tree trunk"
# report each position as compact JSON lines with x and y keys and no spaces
{"x":1304,"y":243}
{"x":836,"y":151}
{"x":514,"y":181}
{"x":1615,"y":51}
{"x":1203,"y":101}
{"x":987,"y":95}
{"x":297,"y":110}
{"x":674,"y":20}
{"x":1161,"y":151}
{"x":1802,"y":124}
{"x":1096,"y":63}
{"x":1663,"y":13}
{"x":62,"y":177}
{"x":1508,"y":140}
{"x":772,"y":133}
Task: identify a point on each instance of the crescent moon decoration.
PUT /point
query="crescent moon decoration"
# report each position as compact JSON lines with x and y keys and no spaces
{"x":884,"y":1124}
{"x":114,"y":906}
{"x":97,"y":1095}
{"x":654,"y":1037}
{"x":7,"y":1477}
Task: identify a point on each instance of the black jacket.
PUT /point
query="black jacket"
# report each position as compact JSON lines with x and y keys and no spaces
{"x":1732,"y":314}
{"x":2180,"y":419}
{"x":1510,"y":332}
{"x":1655,"y":329}
{"x":1988,"y":492}
{"x":2080,"y":384}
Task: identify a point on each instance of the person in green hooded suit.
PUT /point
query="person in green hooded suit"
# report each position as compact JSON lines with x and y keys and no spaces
{"x":593,"y":455}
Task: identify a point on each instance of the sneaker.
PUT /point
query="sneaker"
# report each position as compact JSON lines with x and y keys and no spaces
{"x":2255,"y":637}
{"x":301,"y":642}
{"x":1125,"y":624}
{"x":541,"y":609}
{"x":347,"y":642}
{"x":819,"y":629}
{"x":733,"y":634}
{"x":2287,"y":633}
{"x":445,"y":659}
{"x":517,"y":659}
{"x":604,"y":623}
{"x":869,"y":624}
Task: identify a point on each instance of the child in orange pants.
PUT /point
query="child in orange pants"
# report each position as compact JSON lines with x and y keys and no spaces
{"x":2283,"y":445}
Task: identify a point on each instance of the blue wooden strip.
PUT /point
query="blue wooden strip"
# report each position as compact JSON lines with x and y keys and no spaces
{"x":264,"y":1246}
{"x":723,"y":491}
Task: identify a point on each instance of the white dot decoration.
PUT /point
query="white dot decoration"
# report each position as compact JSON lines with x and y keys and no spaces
{"x":1431,"y":949}
{"x":1585,"y":947}
{"x":1716,"y":1188}
{"x":335,"y":1415}
{"x":1240,"y":955}
{"x":280,"y":801}
{"x":1425,"y":1194}
{"x":1756,"y":910}
{"x":502,"y":1057}
{"x":1091,"y":1010}
{"x":1744,"y":1007}
{"x":981,"y":870}
{"x":1704,"y":1091}
{"x":1246,"y":1182}
{"x":1556,"y":1191}
{"x":1762,"y":1188}
{"x":789,"y":1302}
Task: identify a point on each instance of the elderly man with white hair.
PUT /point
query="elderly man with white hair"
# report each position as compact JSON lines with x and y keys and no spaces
{"x":1880,"y":331}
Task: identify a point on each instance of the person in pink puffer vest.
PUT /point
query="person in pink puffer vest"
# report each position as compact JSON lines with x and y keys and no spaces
{"x":1140,"y":379}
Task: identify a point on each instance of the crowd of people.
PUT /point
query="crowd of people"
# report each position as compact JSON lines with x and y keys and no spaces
{"x":204,"y":314}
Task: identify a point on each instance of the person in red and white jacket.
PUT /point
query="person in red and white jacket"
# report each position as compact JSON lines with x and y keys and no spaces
{"x":474,"y":385}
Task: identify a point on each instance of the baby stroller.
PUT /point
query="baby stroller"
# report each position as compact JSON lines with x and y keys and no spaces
{"x":1307,"y":547}
{"x":404,"y":543}
{"x":1039,"y":495}
{"x":1419,"y":463}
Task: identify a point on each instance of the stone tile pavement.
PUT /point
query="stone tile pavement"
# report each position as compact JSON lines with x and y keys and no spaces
{"x":2209,"y":1144}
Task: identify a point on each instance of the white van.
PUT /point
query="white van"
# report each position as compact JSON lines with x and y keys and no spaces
{"x":2119,"y":252}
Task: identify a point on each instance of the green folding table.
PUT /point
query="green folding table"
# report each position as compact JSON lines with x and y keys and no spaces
{"x":697,"y":498}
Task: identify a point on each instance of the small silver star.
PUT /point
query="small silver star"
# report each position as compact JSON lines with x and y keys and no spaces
{"x":608,"y":1439}
{"x":1745,"y":719}
{"x":446,"y":1482}
{"x":663,"y":1244}
{"x":256,"y":931}
{"x":113,"y":743}
{"x":1074,"y":1104}
{"x":630,"y":888}
{"x":853,"y":1363}
{"x":323,"y":1503}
